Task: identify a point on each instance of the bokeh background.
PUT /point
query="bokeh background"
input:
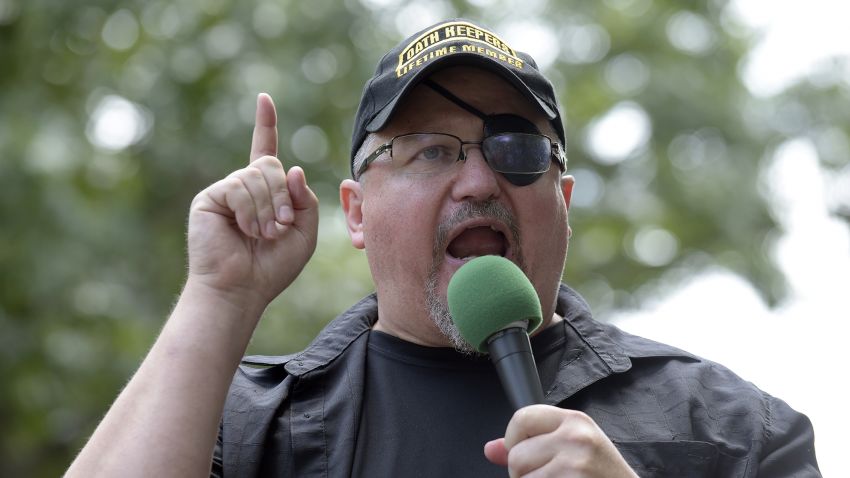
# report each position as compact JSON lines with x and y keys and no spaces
{"x":713,"y":182}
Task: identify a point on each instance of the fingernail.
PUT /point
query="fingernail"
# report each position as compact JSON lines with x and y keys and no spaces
{"x":285,"y":215}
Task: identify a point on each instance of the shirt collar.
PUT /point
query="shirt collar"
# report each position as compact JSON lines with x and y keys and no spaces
{"x":612,"y":346}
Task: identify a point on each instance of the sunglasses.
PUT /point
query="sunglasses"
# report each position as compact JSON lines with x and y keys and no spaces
{"x":521,"y":157}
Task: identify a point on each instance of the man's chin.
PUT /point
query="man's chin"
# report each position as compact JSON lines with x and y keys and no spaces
{"x":438,"y":309}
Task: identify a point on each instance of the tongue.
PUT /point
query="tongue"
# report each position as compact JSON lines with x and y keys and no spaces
{"x":478,"y":241}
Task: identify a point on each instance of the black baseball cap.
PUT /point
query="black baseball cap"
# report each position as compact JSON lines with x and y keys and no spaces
{"x":447,"y":43}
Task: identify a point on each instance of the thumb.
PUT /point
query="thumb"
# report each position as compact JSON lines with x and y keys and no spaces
{"x":496,"y":452}
{"x":305,"y":204}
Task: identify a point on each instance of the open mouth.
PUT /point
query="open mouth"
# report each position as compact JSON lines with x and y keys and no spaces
{"x":476,"y":240}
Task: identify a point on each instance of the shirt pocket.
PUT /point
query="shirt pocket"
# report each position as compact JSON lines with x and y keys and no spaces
{"x":657,"y":459}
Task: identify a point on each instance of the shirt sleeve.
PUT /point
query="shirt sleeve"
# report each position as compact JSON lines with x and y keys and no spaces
{"x":789,"y":449}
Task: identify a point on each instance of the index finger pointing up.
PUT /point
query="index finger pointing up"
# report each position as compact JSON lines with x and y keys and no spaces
{"x":264,"y":141}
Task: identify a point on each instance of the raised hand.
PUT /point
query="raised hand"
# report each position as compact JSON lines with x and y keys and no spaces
{"x":251,"y":233}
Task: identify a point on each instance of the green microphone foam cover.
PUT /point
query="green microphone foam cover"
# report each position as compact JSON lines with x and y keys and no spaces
{"x":488,"y":293}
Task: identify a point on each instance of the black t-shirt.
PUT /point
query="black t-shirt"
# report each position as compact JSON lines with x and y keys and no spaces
{"x":429,"y":411}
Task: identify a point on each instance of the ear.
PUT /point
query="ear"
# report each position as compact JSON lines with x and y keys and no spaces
{"x":351,"y":197}
{"x":567,"y":183}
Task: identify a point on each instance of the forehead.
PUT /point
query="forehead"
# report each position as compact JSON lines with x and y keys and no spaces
{"x":426,"y":110}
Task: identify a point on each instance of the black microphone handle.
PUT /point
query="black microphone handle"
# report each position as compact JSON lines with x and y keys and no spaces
{"x":510,"y":352}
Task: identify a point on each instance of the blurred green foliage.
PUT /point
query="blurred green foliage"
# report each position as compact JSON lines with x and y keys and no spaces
{"x":93,"y":215}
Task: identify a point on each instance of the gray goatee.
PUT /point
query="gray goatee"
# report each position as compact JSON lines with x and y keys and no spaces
{"x":438,"y":309}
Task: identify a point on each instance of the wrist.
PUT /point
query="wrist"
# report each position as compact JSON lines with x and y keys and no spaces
{"x":213,"y":316}
{"x":209,"y":326}
{"x":243,"y":302}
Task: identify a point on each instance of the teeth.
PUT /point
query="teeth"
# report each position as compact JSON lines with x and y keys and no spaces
{"x":468,"y":258}
{"x":492,"y":228}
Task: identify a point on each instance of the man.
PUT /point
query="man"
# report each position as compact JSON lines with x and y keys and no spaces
{"x":457,"y":153}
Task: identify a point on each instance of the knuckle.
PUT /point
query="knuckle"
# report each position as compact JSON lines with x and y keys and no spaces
{"x":198,"y":199}
{"x":235,"y":188}
{"x":579,"y":415}
{"x":268,"y":161}
{"x":252,"y":173}
{"x":581,"y":435}
{"x":232,"y":182}
{"x":577,"y":420}
{"x":521,"y":415}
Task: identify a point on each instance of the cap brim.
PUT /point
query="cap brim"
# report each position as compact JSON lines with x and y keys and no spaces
{"x":380,"y":120}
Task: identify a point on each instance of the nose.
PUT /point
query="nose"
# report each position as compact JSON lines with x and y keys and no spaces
{"x":475,"y":180}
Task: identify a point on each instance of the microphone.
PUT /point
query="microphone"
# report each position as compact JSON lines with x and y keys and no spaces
{"x":494,"y":306}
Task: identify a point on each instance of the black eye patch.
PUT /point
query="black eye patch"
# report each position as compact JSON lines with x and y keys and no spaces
{"x":509,"y":123}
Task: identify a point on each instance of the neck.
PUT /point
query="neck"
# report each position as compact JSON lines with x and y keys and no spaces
{"x":432,"y":336}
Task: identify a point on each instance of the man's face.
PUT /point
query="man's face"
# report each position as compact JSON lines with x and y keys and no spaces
{"x":417,"y":230}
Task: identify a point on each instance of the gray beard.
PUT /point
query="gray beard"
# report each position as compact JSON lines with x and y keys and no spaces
{"x":438,"y":309}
